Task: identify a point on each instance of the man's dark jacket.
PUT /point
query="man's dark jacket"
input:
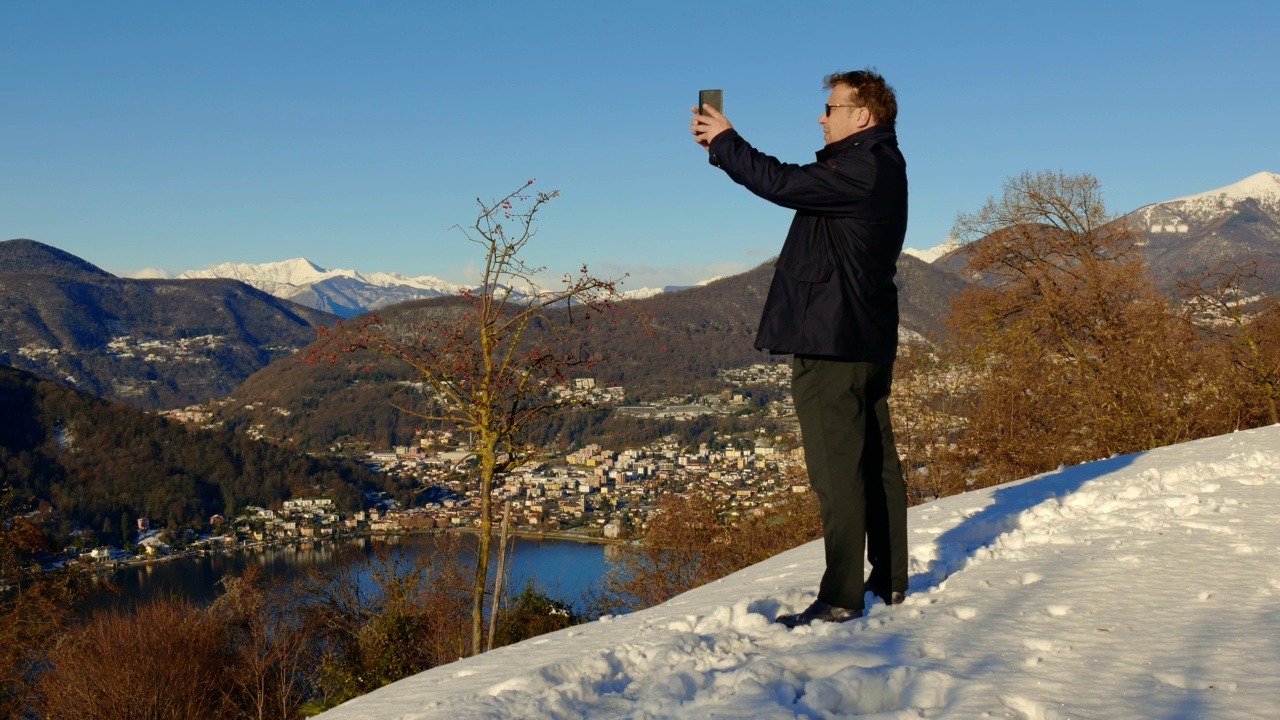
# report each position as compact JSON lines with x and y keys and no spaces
{"x":832,"y":293}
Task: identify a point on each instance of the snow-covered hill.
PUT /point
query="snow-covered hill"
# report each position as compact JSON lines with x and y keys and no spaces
{"x":342,"y":292}
{"x":1192,"y":214}
{"x":1141,"y":586}
{"x":1263,"y":187}
{"x":1238,"y":223}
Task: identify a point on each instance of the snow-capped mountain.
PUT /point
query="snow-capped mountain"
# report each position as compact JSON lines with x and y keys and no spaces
{"x":1239,"y":222}
{"x":935,"y":252}
{"x":648,"y":292}
{"x":1264,"y":187}
{"x":348,"y":292}
{"x":642,"y":293}
{"x":341,"y":292}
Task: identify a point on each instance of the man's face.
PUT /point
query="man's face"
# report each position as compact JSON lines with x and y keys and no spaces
{"x":843,"y":121}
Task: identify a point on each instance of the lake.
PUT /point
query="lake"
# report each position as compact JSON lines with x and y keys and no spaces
{"x":563,"y":568}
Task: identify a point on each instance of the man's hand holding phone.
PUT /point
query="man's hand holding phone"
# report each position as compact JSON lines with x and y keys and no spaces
{"x":708,"y":121}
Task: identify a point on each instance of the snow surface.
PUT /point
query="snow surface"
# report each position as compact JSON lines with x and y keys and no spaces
{"x":1141,"y":586}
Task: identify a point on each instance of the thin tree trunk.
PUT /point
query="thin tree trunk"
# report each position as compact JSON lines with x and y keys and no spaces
{"x":502,"y":573}
{"x":488,"y":461}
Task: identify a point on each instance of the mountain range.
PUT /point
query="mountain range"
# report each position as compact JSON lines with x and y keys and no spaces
{"x":346,"y":293}
{"x":342,"y":292}
{"x":691,"y":337}
{"x":168,"y":343}
{"x":1239,"y":221}
{"x":163,"y":343}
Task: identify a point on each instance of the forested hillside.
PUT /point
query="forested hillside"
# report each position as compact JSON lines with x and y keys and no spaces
{"x":94,"y":461}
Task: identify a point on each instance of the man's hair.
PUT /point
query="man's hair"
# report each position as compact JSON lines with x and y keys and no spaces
{"x":869,"y":91}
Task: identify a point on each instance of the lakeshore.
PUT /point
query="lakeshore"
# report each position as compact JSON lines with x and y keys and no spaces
{"x":246,"y":545}
{"x":565,"y":567}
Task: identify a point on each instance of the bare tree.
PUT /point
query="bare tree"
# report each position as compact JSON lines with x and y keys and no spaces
{"x":1053,"y":265}
{"x":488,"y":370}
{"x":1078,"y":355}
{"x":271,"y":673}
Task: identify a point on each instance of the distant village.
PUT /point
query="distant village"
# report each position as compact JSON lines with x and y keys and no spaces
{"x":592,"y":494}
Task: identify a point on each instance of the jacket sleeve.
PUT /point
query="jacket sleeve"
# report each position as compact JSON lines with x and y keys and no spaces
{"x":820,"y":188}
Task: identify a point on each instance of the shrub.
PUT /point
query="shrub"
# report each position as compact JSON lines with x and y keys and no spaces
{"x":692,"y":541}
{"x":165,"y":660}
{"x":532,"y":613}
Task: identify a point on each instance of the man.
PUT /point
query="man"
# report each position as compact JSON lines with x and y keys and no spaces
{"x":834,"y":307}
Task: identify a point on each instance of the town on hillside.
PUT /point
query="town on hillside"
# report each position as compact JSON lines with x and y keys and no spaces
{"x":592,"y":493}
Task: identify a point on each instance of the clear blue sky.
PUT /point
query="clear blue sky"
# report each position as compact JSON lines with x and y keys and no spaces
{"x":182,"y":135}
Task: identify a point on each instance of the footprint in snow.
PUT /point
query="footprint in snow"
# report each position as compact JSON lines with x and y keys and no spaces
{"x":1038,"y":644}
{"x":1058,"y":610}
{"x":932,"y":650}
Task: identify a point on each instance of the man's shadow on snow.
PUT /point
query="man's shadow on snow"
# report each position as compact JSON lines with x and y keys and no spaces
{"x":956,"y":546}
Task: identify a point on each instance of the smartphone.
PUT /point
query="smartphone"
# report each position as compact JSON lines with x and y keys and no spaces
{"x":714,"y":98}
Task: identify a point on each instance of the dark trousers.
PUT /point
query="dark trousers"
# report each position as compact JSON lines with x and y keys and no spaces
{"x":853,"y":465}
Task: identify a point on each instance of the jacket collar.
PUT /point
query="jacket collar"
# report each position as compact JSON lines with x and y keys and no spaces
{"x":870,"y":137}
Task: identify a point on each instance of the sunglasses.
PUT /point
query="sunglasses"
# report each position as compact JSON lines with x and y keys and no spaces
{"x":828,"y":107}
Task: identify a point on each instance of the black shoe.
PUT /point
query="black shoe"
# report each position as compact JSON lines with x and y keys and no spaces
{"x":894,"y":598}
{"x":819,"y":611}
